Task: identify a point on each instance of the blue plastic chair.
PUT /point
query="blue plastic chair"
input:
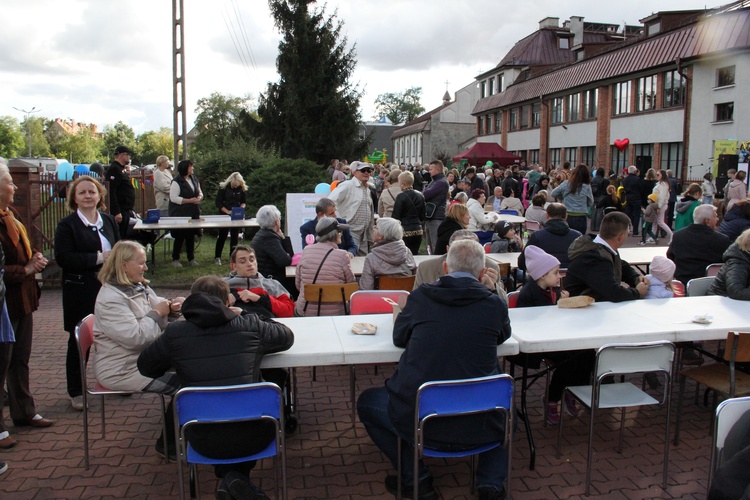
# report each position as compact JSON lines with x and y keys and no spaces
{"x":484,"y":236}
{"x":508,"y":212}
{"x":237,"y":403}
{"x":452,"y":398}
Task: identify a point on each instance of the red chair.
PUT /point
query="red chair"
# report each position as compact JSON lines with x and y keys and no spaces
{"x":371,"y":301}
{"x":488,"y":248}
{"x":512,"y":299}
{"x":679,"y":288}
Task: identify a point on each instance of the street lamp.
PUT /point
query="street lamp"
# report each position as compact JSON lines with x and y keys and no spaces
{"x":28,"y":124}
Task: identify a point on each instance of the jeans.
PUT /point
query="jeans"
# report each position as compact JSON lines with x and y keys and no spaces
{"x":633,"y":210}
{"x":430,"y":232}
{"x":372,"y":408}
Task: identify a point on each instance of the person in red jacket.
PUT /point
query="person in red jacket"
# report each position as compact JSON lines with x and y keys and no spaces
{"x":253,"y":292}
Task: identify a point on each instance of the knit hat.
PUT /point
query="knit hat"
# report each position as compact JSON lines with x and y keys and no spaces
{"x":653,"y":197}
{"x":539,"y":262}
{"x":502,"y":227}
{"x":662,"y":269}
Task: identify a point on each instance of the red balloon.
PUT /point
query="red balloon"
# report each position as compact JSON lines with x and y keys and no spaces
{"x":621,"y":144}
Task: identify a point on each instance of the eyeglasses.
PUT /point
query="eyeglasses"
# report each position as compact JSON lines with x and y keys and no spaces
{"x":366,"y":170}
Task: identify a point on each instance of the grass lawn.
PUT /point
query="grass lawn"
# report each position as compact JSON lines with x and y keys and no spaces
{"x":166,"y":276}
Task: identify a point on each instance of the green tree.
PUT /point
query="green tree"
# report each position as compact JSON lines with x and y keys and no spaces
{"x":82,"y":147}
{"x":119,"y":135}
{"x":34,"y":126}
{"x":218,"y":120}
{"x":152,"y":144}
{"x":399,"y":107}
{"x":11,"y":138}
{"x":56,"y":138}
{"x":312,"y":112}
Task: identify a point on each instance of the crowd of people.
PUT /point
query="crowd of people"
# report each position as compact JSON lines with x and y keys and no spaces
{"x":143,"y":342}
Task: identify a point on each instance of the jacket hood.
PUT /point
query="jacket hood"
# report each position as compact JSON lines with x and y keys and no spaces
{"x":456,"y":292}
{"x":581,"y":245}
{"x":683,"y":205}
{"x":392,"y":252}
{"x":734,"y":252}
{"x":557,"y":226}
{"x":206,"y":310}
{"x":734,"y":213}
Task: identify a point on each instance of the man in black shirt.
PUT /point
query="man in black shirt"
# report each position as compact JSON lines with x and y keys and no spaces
{"x":121,"y":191}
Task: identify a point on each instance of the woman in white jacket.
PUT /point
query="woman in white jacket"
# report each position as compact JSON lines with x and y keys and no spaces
{"x":478,"y":220}
{"x":128,"y":317}
{"x":661,"y":189}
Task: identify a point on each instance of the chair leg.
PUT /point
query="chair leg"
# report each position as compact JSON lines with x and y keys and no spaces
{"x":591,"y":449}
{"x":314,"y":373}
{"x":559,"y":431}
{"x":164,"y":428}
{"x":524,"y":410}
{"x":622,"y":429}
{"x":679,"y":412}
{"x":668,"y":397}
{"x":352,"y":383}
{"x":104,"y":422}
{"x":195,"y":489}
{"x":85,"y":428}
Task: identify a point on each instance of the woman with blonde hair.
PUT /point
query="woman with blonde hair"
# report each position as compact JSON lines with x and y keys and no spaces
{"x":162,"y":182}
{"x":733,"y":280}
{"x":231,"y":194}
{"x":388,"y":196}
{"x":457,"y":218}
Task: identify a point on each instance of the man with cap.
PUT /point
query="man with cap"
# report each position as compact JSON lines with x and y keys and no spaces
{"x":554,"y":238}
{"x":327,"y":208}
{"x":505,"y":238}
{"x":355,"y":204}
{"x":121,"y":191}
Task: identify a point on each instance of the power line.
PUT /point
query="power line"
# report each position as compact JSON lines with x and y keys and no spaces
{"x":241,"y":22}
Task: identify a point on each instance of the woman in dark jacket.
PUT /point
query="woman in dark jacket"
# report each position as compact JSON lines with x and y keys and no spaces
{"x":457,"y":218}
{"x":232,"y":193}
{"x":409,"y":208}
{"x":83,"y":241}
{"x":736,"y":220}
{"x":184,"y":201}
{"x":733,"y":280}
{"x":273,"y":250}
{"x":541,"y":184}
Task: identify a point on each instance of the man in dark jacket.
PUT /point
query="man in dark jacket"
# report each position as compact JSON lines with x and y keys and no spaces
{"x":121,"y":191}
{"x":554,"y":238}
{"x":447,"y":333}
{"x":633,"y":186}
{"x":596,"y":269}
{"x":436,"y":199}
{"x":698,"y":245}
{"x":216,"y":347}
{"x":326,"y":207}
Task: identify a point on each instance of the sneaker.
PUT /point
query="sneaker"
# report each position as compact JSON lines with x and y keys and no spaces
{"x":650,"y":240}
{"x":176,"y":263}
{"x":193,"y":263}
{"x":77,"y":403}
{"x":3,"y":467}
{"x":553,"y":414}
{"x":426,"y":491}
{"x":217,"y":261}
{"x":570,"y":405}
{"x":235,"y":485}
{"x":642,"y":243}
{"x":490,"y":493}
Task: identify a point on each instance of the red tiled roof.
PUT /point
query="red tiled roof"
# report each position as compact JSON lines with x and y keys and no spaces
{"x":711,"y":34}
{"x":418,"y":124}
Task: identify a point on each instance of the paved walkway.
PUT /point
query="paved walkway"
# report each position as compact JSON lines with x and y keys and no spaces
{"x":327,"y":457}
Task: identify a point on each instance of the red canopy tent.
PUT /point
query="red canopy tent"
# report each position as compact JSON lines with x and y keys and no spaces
{"x":482,"y":152}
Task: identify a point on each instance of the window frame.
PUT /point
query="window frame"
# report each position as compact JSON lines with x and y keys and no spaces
{"x":621,"y":104}
{"x":724,"y":117}
{"x":673,"y":96}
{"x":643,"y":101}
{"x":726,"y":76}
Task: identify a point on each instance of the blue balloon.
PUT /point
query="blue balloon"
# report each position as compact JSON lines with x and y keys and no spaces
{"x":64,"y":171}
{"x":82,"y":169}
{"x":323,"y":188}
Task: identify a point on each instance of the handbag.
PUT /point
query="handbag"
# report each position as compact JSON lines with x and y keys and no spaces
{"x":429,"y":209}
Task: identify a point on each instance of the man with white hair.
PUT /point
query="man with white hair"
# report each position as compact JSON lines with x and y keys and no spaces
{"x":450,"y":330}
{"x":354,"y":204}
{"x":698,"y":245}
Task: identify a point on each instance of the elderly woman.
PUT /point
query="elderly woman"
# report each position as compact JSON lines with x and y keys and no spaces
{"x":273,"y":250}
{"x":478,"y":220}
{"x":22,"y":299}
{"x":389,"y":255}
{"x":231,"y":194}
{"x":184,"y":201}
{"x":733,"y":280}
{"x":576,"y":195}
{"x":323,"y":263}
{"x":409,"y":209}
{"x":388,"y":196}
{"x":536,"y":211}
{"x":83,"y":241}
{"x":162,"y":183}
{"x":457,"y":218}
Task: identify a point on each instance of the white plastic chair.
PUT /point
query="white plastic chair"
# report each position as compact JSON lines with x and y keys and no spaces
{"x":624,"y":359}
{"x":729,"y":414}
{"x":697,"y":287}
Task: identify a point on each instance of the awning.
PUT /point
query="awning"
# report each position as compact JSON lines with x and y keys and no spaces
{"x":482,"y":152}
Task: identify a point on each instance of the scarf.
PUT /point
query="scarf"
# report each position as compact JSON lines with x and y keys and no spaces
{"x":16,"y":231}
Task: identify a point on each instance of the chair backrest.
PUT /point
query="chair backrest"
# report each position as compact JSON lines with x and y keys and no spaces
{"x":339,"y":292}
{"x":508,"y":211}
{"x":739,"y":342}
{"x":697,"y":287}
{"x":512,"y":299}
{"x":679,"y":288}
{"x":84,"y":334}
{"x":484,"y":236}
{"x":713,"y":269}
{"x":616,"y":359}
{"x":460,"y":397}
{"x":732,"y":420}
{"x":563,"y":272}
{"x":371,"y":301}
{"x":532,"y":225}
{"x":388,"y":282}
{"x":504,"y":269}
{"x":228,"y":403}
{"x":488,"y":248}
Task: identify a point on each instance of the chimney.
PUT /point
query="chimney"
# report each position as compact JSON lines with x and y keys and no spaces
{"x":549,"y":22}
{"x":576,"y":27}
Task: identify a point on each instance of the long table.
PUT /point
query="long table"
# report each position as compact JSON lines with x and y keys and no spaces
{"x":358,"y":264}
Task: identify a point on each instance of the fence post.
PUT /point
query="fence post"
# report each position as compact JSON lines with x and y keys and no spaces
{"x":26,"y":200}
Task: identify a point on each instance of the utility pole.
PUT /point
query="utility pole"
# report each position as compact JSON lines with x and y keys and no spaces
{"x":28,"y":124}
{"x":179,"y":131}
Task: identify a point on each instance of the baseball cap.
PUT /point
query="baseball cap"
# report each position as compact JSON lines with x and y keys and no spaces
{"x":123,"y":149}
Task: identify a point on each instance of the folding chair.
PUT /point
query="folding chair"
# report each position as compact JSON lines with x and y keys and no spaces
{"x":84,"y":334}
{"x":532,"y":225}
{"x":339,"y":292}
{"x":238,"y":403}
{"x":389,"y":282}
{"x":732,"y":417}
{"x":508,"y":212}
{"x":713,"y":269}
{"x":697,"y":287}
{"x":679,"y":288}
{"x":513,"y":299}
{"x":484,"y":236}
{"x":624,"y":359}
{"x":452,"y":398}
{"x":721,"y":377}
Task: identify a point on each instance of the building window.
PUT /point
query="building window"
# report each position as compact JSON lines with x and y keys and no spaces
{"x":557,"y":109}
{"x":644,"y":150}
{"x":725,"y":112}
{"x":492,"y":86}
{"x":554,"y":157}
{"x":513,"y":125}
{"x":533,"y":156}
{"x":498,"y":122}
{"x":653,"y":28}
{"x":671,"y":157}
{"x":564,"y":43}
{"x":588,"y":156}
{"x":590,"y":100}
{"x":622,"y":98}
{"x":573,"y":106}
{"x":570,"y":156}
{"x":619,"y":160}
{"x":501,"y":83}
{"x":646,"y":98}
{"x":725,"y":76}
{"x":525,"y":111}
{"x":480,"y":125}
{"x":536,"y":115}
{"x":488,"y":124}
{"x":414,"y":146}
{"x":674,"y":89}
{"x":483,"y":89}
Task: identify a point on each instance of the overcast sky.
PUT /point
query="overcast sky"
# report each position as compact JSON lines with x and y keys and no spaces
{"x":101,"y":61}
